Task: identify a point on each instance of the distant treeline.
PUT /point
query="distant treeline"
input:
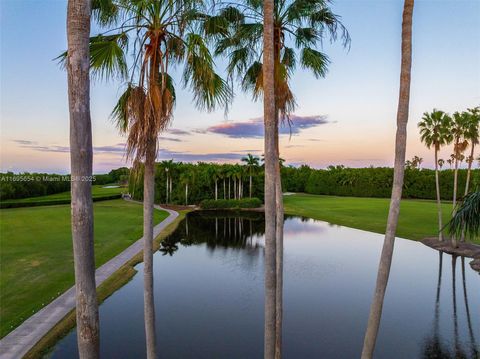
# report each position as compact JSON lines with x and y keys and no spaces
{"x":23,"y":185}
{"x":335,"y":181}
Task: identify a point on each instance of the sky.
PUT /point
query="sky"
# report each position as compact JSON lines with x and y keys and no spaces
{"x":346,"y":118}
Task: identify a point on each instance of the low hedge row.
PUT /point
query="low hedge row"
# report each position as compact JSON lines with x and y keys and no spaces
{"x":52,"y":202}
{"x":231,"y":203}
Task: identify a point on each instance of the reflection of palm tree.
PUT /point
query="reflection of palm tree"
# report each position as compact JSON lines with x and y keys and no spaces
{"x":475,"y":352}
{"x":400,"y":149}
{"x":433,"y":347}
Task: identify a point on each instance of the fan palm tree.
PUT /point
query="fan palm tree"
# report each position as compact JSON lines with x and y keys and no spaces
{"x":297,"y":25}
{"x":252,"y":163}
{"x":435,"y":132}
{"x":81,"y":155}
{"x":162,"y":34}
{"x":472,"y":135}
{"x":269,"y":119}
{"x":398,"y":175}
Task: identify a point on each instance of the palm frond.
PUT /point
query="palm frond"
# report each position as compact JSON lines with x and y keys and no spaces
{"x":466,"y":217}
{"x":107,"y":57}
{"x":315,"y":61}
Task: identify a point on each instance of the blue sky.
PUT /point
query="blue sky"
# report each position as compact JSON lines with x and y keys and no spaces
{"x":355,"y":105}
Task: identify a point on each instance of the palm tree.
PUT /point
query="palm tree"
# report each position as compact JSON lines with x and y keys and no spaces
{"x":252,"y":163}
{"x":81,"y":152}
{"x":398,"y":175}
{"x":305,"y":22}
{"x":440,"y":163}
{"x":472,"y":135}
{"x":269,"y":118}
{"x":164,"y":34}
{"x":435,"y":132}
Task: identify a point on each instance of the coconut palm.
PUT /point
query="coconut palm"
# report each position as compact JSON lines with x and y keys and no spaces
{"x":252,"y":163}
{"x":435,"y":132}
{"x":398,"y":175}
{"x":81,"y":155}
{"x":472,"y":135}
{"x":161,"y":34}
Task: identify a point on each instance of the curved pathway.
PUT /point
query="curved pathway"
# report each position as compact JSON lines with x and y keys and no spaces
{"x":18,"y":342}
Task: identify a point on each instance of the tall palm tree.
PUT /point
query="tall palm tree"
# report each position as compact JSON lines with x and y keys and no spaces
{"x":435,"y":132}
{"x":472,"y":135}
{"x":300,"y":24}
{"x":163,"y":34}
{"x":398,"y":175}
{"x":252,"y":163}
{"x":81,"y":152}
{"x":269,"y":118}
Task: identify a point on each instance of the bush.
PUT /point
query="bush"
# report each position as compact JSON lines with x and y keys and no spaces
{"x":230,"y":203}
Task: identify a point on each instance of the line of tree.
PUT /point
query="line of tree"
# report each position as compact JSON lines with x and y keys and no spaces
{"x":32,"y":184}
{"x":187,"y":183}
{"x":438,"y":129}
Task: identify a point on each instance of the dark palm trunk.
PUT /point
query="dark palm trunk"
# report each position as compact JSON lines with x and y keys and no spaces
{"x":399,"y":170}
{"x":78,"y":65}
{"x":148,"y":198}
{"x":469,"y":170}
{"x":270,"y":188}
{"x":439,"y":202}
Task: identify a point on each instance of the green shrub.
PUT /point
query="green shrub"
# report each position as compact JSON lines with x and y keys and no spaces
{"x":230,"y":203}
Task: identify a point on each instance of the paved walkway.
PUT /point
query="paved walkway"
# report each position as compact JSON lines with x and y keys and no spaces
{"x":18,"y":342}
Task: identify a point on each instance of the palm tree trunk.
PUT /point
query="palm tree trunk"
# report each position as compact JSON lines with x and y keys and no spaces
{"x":270,"y":187}
{"x":399,"y":171}
{"x":455,"y":185}
{"x":224,"y":190}
{"x":216,"y":189}
{"x":469,"y":170}
{"x":250,"y":184}
{"x":186,"y":194}
{"x":148,"y":197}
{"x":78,"y":64}
{"x":170,"y":188}
{"x":166,"y":194}
{"x":439,"y":203}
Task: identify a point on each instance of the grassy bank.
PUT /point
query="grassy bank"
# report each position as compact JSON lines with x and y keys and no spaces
{"x":99,"y":192}
{"x":114,"y":282}
{"x":418,"y":218}
{"x":37,"y":259}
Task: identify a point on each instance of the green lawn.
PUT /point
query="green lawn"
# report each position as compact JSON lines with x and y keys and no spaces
{"x":98,"y":191}
{"x":36,"y":252}
{"x":418,"y":218}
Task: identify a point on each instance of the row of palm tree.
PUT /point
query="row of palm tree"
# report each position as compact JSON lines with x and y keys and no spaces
{"x":438,"y":129}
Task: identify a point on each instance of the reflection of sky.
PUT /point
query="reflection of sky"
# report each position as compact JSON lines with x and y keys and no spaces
{"x":209,"y":302}
{"x":358,"y":98}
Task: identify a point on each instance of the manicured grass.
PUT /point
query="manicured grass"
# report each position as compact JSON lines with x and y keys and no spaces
{"x":418,"y":218}
{"x":98,"y":191}
{"x":36,"y":252}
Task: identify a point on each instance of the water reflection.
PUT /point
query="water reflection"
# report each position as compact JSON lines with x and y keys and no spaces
{"x":209,"y":296}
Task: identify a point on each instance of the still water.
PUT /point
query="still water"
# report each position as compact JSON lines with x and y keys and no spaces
{"x":209,"y":295}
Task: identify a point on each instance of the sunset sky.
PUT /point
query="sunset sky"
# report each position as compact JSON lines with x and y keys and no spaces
{"x":347,"y":118}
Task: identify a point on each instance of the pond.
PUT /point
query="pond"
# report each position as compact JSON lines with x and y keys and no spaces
{"x":209,"y":295}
